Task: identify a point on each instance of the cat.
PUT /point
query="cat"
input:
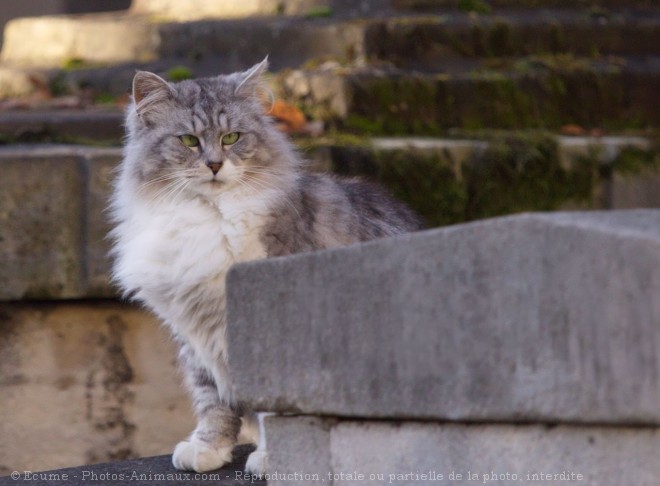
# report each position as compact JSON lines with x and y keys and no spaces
{"x":207,"y":181}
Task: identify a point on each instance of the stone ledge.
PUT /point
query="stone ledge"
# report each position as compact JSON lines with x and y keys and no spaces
{"x":54,"y":198}
{"x":373,"y":453}
{"x":148,"y":470}
{"x":537,"y":317}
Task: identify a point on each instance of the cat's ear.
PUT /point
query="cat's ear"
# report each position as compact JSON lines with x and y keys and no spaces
{"x":251,"y":81}
{"x":149,"y":89}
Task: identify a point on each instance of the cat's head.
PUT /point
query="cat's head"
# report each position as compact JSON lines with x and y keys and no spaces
{"x":204,"y":136}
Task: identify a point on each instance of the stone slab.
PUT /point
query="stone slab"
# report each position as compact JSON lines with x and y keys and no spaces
{"x":536,"y":317}
{"x":53,"y":223}
{"x":413,"y":453}
{"x":41,"y":226}
{"x":144,"y":471}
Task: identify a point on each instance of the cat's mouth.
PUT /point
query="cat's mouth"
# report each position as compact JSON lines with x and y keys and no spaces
{"x":213,"y":182}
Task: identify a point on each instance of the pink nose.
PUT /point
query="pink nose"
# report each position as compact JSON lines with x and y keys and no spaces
{"x":214,"y":166}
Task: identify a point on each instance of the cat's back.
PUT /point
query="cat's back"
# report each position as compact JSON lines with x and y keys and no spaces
{"x":326,"y":211}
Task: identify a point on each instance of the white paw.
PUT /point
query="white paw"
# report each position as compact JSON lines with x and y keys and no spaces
{"x":194,"y":455}
{"x":257,"y":463}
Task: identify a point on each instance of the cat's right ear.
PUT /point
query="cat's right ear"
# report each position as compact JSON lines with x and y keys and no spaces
{"x":149,"y":89}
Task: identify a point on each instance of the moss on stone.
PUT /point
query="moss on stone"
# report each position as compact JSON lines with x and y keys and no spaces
{"x":394,"y":105}
{"x":634,"y":160}
{"x":520,"y":171}
{"x":475,"y":6}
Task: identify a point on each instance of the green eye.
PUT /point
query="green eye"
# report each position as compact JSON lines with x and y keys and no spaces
{"x":189,"y":140}
{"x":231,"y":138}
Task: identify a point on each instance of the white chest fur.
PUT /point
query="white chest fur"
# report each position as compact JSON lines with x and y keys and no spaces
{"x":176,"y":255}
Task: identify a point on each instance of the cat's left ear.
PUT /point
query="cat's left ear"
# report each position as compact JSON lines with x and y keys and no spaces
{"x":251,"y":81}
{"x":149,"y":89}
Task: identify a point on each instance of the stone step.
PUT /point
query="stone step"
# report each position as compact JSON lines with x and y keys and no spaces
{"x":427,"y":42}
{"x":292,"y":41}
{"x":406,"y":452}
{"x":541,"y":318}
{"x":535,"y":93}
{"x":70,"y":44}
{"x":53,"y":197}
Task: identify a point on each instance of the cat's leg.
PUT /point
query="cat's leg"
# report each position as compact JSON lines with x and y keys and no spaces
{"x":210,"y":445}
{"x":249,"y":428}
{"x":257,"y":462}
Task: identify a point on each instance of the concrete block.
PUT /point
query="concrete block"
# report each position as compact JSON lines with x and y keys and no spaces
{"x":86,"y":382}
{"x":374,"y":452}
{"x":536,"y":317}
{"x":41,"y":225}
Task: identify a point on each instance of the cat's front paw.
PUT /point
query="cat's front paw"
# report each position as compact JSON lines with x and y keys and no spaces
{"x":198,"y":456}
{"x":257,"y":463}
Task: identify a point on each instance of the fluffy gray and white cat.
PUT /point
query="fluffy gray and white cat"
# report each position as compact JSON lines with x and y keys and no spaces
{"x":208,"y":181}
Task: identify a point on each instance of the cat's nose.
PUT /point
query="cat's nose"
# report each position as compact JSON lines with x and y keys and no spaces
{"x":214,"y":166}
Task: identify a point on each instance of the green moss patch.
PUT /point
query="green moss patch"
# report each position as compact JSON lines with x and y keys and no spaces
{"x":518,"y":172}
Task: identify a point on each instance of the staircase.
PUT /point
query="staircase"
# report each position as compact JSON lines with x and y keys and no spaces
{"x":466,"y":109}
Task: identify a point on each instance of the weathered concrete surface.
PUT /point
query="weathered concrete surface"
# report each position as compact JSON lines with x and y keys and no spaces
{"x":145,"y":471}
{"x":450,"y":454}
{"x":52,"y":216}
{"x":86,"y":382}
{"x":537,"y":317}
